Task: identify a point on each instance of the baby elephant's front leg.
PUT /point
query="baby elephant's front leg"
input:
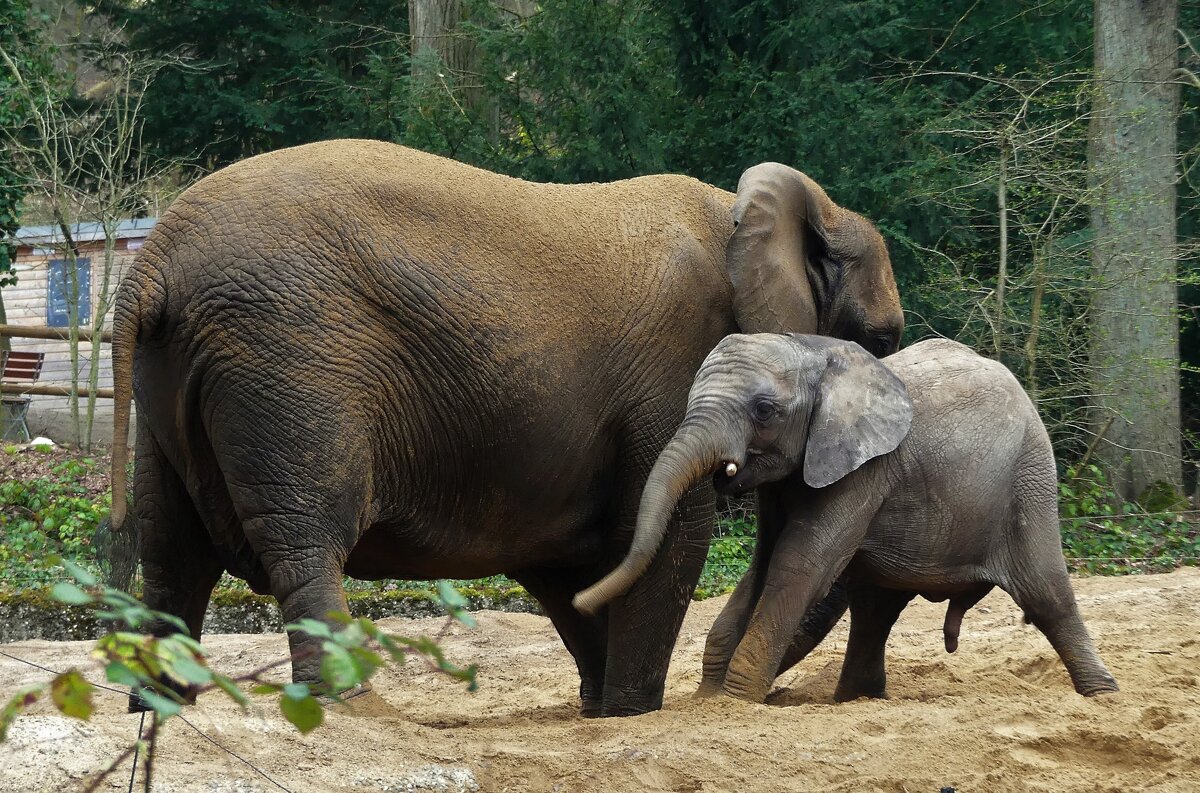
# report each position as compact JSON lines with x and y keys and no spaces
{"x":802,"y":568}
{"x":726,"y":633}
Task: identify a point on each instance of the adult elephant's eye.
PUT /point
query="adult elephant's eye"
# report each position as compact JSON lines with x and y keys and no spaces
{"x":764,"y":410}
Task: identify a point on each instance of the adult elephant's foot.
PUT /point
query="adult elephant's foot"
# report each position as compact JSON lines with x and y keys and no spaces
{"x":632,"y":702}
{"x":360,"y":701}
{"x":591,"y":698}
{"x":848,"y":693}
{"x":347,"y":695}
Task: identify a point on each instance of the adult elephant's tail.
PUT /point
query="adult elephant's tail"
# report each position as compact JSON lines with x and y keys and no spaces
{"x":140,"y":302}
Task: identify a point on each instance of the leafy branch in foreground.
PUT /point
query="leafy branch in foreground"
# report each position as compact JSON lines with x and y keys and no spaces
{"x":158,"y":668}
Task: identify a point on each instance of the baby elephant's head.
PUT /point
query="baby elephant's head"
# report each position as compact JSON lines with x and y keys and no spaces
{"x":763,"y":406}
{"x":775,"y":404}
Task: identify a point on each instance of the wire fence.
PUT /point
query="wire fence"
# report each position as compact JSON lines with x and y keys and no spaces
{"x":734,"y":540}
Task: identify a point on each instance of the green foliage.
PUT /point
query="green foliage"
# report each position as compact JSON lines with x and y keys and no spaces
{"x":48,"y":516}
{"x":729,"y":553}
{"x":21,"y":42}
{"x":157,"y":668}
{"x":900,"y":110}
{"x":1102,"y":535}
{"x":263,"y":75}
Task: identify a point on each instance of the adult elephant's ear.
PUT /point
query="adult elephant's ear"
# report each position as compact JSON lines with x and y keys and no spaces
{"x":779,"y":218}
{"x":861,"y":410}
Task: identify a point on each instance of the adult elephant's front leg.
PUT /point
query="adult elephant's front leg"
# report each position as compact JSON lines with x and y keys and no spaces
{"x":644,"y":624}
{"x":585,"y":637}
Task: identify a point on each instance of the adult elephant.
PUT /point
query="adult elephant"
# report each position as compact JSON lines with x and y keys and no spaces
{"x":355,"y":357}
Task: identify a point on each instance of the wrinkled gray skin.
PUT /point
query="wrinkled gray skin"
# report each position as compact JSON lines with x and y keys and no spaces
{"x":352,"y":357}
{"x":926,"y":473}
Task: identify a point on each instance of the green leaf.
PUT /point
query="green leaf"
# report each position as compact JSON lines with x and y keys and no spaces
{"x":450,"y":596}
{"x":338,"y":668}
{"x":266,"y":688}
{"x":297,"y":690}
{"x":172,"y":620}
{"x":117,"y":598}
{"x":368,"y":628}
{"x":185,"y":668}
{"x":79,"y":574}
{"x":17,"y":703}
{"x":393,"y":648}
{"x":305,"y":713}
{"x":72,"y":695}
{"x":70,"y":594}
{"x":350,"y":636}
{"x":229,"y":687}
{"x":366,"y":660}
{"x":121,"y":675}
{"x":311,"y":627}
{"x":165,"y":708}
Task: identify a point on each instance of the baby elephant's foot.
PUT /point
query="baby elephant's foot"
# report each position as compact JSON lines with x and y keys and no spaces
{"x":1105,"y":686}
{"x":708,"y":689}
{"x":746,"y":690}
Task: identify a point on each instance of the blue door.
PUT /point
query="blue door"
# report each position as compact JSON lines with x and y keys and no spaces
{"x":58,"y":314}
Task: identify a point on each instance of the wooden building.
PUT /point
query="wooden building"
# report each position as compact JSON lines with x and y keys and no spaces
{"x":39,"y":298}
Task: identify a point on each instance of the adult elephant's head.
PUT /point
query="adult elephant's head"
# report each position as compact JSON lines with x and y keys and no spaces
{"x":800,"y":263}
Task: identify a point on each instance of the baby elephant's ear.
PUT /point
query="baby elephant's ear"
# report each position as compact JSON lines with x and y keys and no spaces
{"x":861,"y":411}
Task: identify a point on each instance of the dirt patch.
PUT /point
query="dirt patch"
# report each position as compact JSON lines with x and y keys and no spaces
{"x":999,"y":715}
{"x":27,"y":463}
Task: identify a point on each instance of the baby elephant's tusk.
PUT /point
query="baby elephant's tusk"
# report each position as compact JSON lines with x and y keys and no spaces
{"x":731,"y":469}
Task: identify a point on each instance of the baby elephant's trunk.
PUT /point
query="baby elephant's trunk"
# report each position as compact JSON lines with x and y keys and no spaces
{"x":692,"y":454}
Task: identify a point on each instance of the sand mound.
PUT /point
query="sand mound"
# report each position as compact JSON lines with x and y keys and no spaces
{"x":998,"y":715}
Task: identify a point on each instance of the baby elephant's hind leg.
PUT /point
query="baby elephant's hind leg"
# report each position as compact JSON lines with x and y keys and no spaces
{"x":873,"y":612}
{"x":1041,"y":587}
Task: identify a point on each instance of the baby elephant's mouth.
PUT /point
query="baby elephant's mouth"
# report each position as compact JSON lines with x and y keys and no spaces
{"x":730,"y":478}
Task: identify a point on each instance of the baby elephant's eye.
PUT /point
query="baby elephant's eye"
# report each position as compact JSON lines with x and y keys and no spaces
{"x":764,"y":410}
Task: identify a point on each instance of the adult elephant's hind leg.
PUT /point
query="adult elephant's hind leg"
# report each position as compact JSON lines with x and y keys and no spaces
{"x":305,"y":570}
{"x":302,"y":501}
{"x":585,"y":637}
{"x":180,"y":567}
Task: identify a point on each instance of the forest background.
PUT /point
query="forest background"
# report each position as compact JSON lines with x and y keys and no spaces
{"x":970,"y":132}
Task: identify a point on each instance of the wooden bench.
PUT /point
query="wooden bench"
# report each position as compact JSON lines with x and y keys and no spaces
{"x":19,"y":367}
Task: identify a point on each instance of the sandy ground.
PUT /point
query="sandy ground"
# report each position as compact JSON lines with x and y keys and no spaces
{"x":998,"y":715}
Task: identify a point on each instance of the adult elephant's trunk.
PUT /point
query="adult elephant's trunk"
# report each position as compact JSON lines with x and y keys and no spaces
{"x":693,"y":453}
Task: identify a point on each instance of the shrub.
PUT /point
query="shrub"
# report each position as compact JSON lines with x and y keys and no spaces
{"x":48,"y":516}
{"x":1100,"y":534}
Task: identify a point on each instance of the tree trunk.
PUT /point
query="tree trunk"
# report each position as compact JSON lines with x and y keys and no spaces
{"x":433,"y":25}
{"x":1132,"y":155}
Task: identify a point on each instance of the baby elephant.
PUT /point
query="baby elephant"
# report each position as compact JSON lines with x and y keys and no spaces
{"x":927,"y":473}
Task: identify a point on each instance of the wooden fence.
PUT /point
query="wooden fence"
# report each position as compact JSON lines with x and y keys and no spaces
{"x":60,"y":334}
